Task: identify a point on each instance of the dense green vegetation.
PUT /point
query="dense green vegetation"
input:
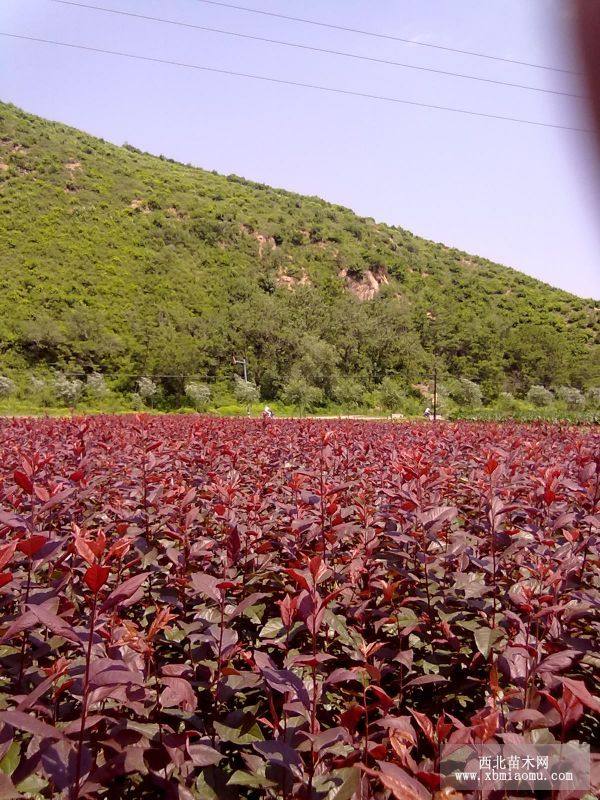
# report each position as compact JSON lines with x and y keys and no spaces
{"x":116,"y":261}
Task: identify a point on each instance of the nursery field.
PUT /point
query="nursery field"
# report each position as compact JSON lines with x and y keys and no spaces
{"x":204,"y":608}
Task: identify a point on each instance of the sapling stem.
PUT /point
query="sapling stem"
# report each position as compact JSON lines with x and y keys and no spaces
{"x":84,"y":702}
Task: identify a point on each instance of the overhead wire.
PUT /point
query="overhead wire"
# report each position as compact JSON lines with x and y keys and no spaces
{"x":298,"y":84}
{"x":314,"y":49}
{"x":388,"y":36}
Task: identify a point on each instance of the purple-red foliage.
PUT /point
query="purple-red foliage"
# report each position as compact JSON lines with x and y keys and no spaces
{"x":201,"y":608}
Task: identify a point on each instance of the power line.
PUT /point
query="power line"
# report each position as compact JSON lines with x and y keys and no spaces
{"x":282,"y":82}
{"x":148,"y":374}
{"x":388,"y":36}
{"x":310,"y":48}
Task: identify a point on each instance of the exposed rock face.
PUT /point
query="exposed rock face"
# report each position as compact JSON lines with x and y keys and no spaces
{"x":369,"y":285}
{"x":289,"y":281}
{"x":139,"y":205}
{"x":424,"y":390}
{"x":264,"y":242}
{"x":175,"y":213}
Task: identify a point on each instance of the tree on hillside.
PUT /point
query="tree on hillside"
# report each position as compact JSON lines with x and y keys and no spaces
{"x":465,"y":393}
{"x":317,"y":364}
{"x":348,"y":392}
{"x":538,"y":354}
{"x":42,"y":337}
{"x":301,"y":394}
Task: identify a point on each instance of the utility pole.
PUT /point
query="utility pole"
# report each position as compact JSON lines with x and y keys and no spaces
{"x":244,"y":364}
{"x":434,"y":388}
{"x":433,"y":327}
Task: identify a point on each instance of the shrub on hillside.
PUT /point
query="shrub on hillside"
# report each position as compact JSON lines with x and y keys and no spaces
{"x":137,"y":404}
{"x":7,"y":387}
{"x":95,"y":386}
{"x":198,"y":394}
{"x":67,"y":390}
{"x":570,"y":396}
{"x":507,"y":400}
{"x":539,"y":396}
{"x":245,"y":392}
{"x":392,"y":393}
{"x":38,"y":387}
{"x":147,"y":389}
{"x":592,"y":397}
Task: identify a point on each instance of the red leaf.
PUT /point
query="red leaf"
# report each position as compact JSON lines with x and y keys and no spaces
{"x":298,"y":578}
{"x":549,"y":495}
{"x":314,"y":566}
{"x":486,"y":727}
{"x":289,"y":607}
{"x":331,"y":596}
{"x":84,"y":550}
{"x":203,"y":755}
{"x":425,"y":724}
{"x":224,"y":585}
{"x":178,"y":692}
{"x":119,"y":549}
{"x":571,"y":708}
{"x":443,"y":728}
{"x":377,"y":751}
{"x":125,"y":591}
{"x":490,"y":465}
{"x":384,"y":700}
{"x":55,"y":623}
{"x":579,"y":689}
{"x":423,"y":679}
{"x":5,"y":577}
{"x":31,"y":545}
{"x":399,"y":782}
{"x":98,"y":544}
{"x":95,"y":577}
{"x":23,"y":480}
{"x":41,"y":493}
{"x":233,"y":545}
{"x":206,"y":585}
{"x":6,"y":553}
{"x":432,"y":779}
{"x":26,"y":722}
{"x":351,"y":717}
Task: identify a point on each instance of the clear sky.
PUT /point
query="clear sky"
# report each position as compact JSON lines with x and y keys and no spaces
{"x":524,"y":196}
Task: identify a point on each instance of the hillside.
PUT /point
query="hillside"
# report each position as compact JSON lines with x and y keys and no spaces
{"x":119,"y":261}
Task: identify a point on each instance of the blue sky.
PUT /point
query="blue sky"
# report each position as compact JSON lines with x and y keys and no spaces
{"x":524,"y":196}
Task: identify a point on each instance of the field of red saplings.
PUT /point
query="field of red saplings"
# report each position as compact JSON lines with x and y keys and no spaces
{"x":204,"y":608}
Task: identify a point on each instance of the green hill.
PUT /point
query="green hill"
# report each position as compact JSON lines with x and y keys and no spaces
{"x":119,"y":261}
